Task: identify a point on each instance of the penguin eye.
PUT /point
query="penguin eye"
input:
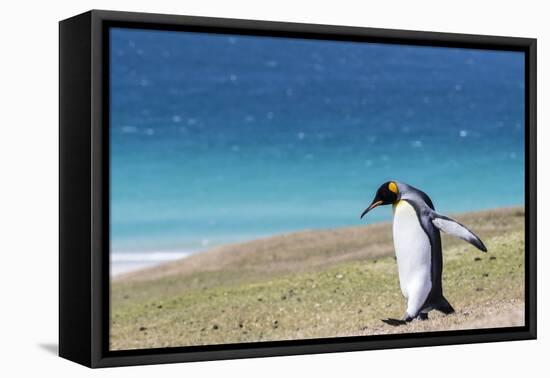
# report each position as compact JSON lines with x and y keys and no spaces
{"x":393,"y":187}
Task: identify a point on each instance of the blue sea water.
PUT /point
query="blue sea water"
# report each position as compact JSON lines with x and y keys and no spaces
{"x":219,"y":138}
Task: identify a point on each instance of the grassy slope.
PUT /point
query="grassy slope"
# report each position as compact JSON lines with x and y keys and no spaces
{"x":315,"y":284}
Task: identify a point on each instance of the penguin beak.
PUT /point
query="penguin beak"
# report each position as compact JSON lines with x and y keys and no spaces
{"x":372,"y":206}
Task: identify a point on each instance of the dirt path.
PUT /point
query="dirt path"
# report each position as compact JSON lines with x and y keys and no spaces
{"x":507,"y":313}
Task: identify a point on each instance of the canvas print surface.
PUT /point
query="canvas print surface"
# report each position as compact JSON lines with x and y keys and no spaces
{"x":266,"y":189}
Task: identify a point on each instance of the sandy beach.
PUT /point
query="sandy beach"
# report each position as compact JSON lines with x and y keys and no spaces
{"x":316,"y":284}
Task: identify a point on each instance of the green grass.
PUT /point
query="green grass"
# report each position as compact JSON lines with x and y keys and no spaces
{"x":225,"y":304}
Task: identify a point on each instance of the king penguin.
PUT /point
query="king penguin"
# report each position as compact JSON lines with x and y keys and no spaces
{"x":417,"y":243}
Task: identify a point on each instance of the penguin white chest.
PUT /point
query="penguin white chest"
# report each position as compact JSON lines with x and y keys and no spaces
{"x":412,"y":249}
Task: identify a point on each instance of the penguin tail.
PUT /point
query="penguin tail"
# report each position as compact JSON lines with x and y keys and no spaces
{"x":444,"y":306}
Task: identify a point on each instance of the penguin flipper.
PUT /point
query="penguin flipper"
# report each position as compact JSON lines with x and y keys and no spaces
{"x":452,"y":227}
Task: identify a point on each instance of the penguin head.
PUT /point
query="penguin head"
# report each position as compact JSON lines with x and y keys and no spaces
{"x":387,"y":193}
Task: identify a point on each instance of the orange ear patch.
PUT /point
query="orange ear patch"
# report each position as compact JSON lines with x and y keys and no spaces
{"x":393,"y":187}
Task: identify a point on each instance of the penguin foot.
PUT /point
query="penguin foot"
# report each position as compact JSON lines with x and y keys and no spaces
{"x":406,"y":319}
{"x":422,"y":316}
{"x":395,"y":322}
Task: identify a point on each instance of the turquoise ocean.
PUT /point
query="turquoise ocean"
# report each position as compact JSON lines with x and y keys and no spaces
{"x":217,"y":139}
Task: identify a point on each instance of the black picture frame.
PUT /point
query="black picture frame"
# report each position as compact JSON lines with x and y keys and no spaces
{"x":84,"y":188}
